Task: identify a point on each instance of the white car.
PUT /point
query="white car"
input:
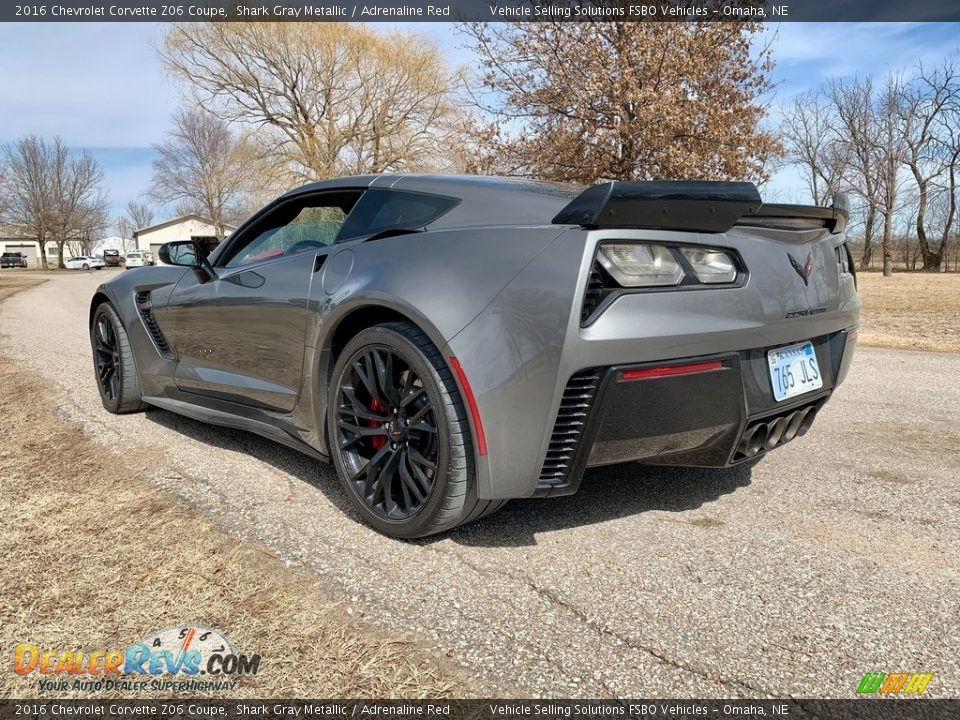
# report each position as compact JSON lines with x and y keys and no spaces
{"x":139,"y":258}
{"x":84,"y":263}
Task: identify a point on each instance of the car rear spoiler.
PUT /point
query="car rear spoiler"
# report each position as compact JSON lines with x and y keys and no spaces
{"x":693,"y":206}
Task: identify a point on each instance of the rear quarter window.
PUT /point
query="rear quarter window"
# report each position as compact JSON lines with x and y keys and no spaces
{"x":380,"y":210}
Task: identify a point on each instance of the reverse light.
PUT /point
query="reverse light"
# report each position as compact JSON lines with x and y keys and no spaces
{"x":710,"y":266}
{"x":640,"y":265}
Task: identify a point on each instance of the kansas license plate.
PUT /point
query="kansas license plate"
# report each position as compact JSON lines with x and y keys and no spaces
{"x":794,"y":370}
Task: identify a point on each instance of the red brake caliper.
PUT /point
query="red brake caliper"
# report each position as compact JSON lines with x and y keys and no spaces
{"x":378,"y":441}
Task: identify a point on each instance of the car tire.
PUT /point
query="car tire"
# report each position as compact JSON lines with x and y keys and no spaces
{"x":85,"y":266}
{"x":114,"y":367}
{"x":363,"y":421}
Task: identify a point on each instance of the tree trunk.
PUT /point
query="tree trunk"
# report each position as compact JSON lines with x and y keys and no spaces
{"x":60,"y":263}
{"x":921,"y":225}
{"x":867,"y":256}
{"x":885,"y":244}
{"x":932,"y":261}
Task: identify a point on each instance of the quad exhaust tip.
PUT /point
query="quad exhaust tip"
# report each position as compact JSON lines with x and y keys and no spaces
{"x":776,"y":431}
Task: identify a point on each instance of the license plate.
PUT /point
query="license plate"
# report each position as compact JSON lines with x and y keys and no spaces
{"x":794,"y":370}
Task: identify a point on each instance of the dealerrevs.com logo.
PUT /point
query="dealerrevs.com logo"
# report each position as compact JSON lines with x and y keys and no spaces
{"x":879,"y":683}
{"x":166,"y":660}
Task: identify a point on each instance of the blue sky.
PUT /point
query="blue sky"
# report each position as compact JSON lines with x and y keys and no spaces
{"x":101,"y":87}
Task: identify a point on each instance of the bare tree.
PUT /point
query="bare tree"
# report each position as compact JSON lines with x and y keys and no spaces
{"x":332,"y":98}
{"x":927,"y":103}
{"x":53,"y":194}
{"x":599,"y":100}
{"x":124,"y":230}
{"x":92,"y":221}
{"x":813,"y":144}
{"x":140,"y":213}
{"x":853,"y":103}
{"x":27,"y":189}
{"x":204,"y":164}
{"x":889,"y":147}
{"x":78,"y":201}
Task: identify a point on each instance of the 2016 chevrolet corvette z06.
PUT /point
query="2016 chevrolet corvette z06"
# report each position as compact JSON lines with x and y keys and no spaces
{"x":450,"y":343}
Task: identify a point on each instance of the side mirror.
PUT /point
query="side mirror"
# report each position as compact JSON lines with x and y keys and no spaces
{"x":186,"y":253}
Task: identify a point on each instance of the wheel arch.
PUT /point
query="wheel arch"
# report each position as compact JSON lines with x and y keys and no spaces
{"x":365,"y":314}
{"x":99,"y":298}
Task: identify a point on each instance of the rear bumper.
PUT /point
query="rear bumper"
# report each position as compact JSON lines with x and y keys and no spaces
{"x":716,"y":417}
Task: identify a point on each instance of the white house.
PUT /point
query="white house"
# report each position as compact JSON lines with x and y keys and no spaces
{"x":186,"y":227}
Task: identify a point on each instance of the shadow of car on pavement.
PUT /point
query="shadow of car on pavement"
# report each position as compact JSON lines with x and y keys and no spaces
{"x":606,"y":493}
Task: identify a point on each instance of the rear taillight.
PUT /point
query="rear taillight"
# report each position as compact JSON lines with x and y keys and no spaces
{"x":625,"y":266}
{"x":645,"y":265}
{"x":845,"y":264}
{"x":640,"y":264}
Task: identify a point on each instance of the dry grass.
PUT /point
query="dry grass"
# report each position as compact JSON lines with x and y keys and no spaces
{"x":95,"y":557}
{"x":10,"y":285}
{"x":915,"y":311}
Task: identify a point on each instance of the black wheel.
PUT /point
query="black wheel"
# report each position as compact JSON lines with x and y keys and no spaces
{"x":116,"y":372}
{"x":399,"y":436}
{"x":86,"y":267}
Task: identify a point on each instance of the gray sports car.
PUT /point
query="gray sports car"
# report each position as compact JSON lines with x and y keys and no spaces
{"x":450,"y":343}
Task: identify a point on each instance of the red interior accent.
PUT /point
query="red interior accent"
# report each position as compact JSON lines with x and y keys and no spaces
{"x":668,"y":370}
{"x":472,"y":404}
{"x":378,"y":441}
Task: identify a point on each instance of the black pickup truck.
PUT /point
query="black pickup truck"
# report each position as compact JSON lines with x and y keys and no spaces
{"x":13,"y":260}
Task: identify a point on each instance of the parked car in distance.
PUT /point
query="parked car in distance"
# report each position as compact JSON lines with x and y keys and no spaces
{"x":13,"y":260}
{"x":111,"y":258}
{"x":84,"y":263}
{"x":139,"y":258}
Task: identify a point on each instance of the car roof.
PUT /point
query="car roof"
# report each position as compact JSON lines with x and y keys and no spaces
{"x":517,"y":200}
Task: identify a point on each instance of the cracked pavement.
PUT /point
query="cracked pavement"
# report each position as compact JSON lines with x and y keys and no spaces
{"x":837,"y":555}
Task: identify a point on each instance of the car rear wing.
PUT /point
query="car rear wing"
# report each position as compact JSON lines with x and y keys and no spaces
{"x":693,"y":206}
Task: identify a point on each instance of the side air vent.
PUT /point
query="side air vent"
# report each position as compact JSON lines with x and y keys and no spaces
{"x":145,"y":308}
{"x":595,"y":293}
{"x":568,"y":430}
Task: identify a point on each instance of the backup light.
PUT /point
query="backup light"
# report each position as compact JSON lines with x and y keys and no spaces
{"x":711,"y":266}
{"x":640,"y":265}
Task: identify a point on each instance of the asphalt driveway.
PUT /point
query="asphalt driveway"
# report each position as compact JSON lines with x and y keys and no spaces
{"x":836,"y":556}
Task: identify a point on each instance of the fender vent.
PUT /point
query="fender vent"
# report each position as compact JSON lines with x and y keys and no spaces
{"x":145,"y":308}
{"x":568,"y":430}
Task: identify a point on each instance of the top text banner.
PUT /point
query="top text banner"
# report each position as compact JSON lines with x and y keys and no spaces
{"x":484,"y":11}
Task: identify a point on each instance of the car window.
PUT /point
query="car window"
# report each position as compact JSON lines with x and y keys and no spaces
{"x":380,"y":210}
{"x":299,"y":225}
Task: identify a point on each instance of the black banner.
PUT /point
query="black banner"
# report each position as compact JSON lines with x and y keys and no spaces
{"x":482,"y":10}
{"x":199,"y":709}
